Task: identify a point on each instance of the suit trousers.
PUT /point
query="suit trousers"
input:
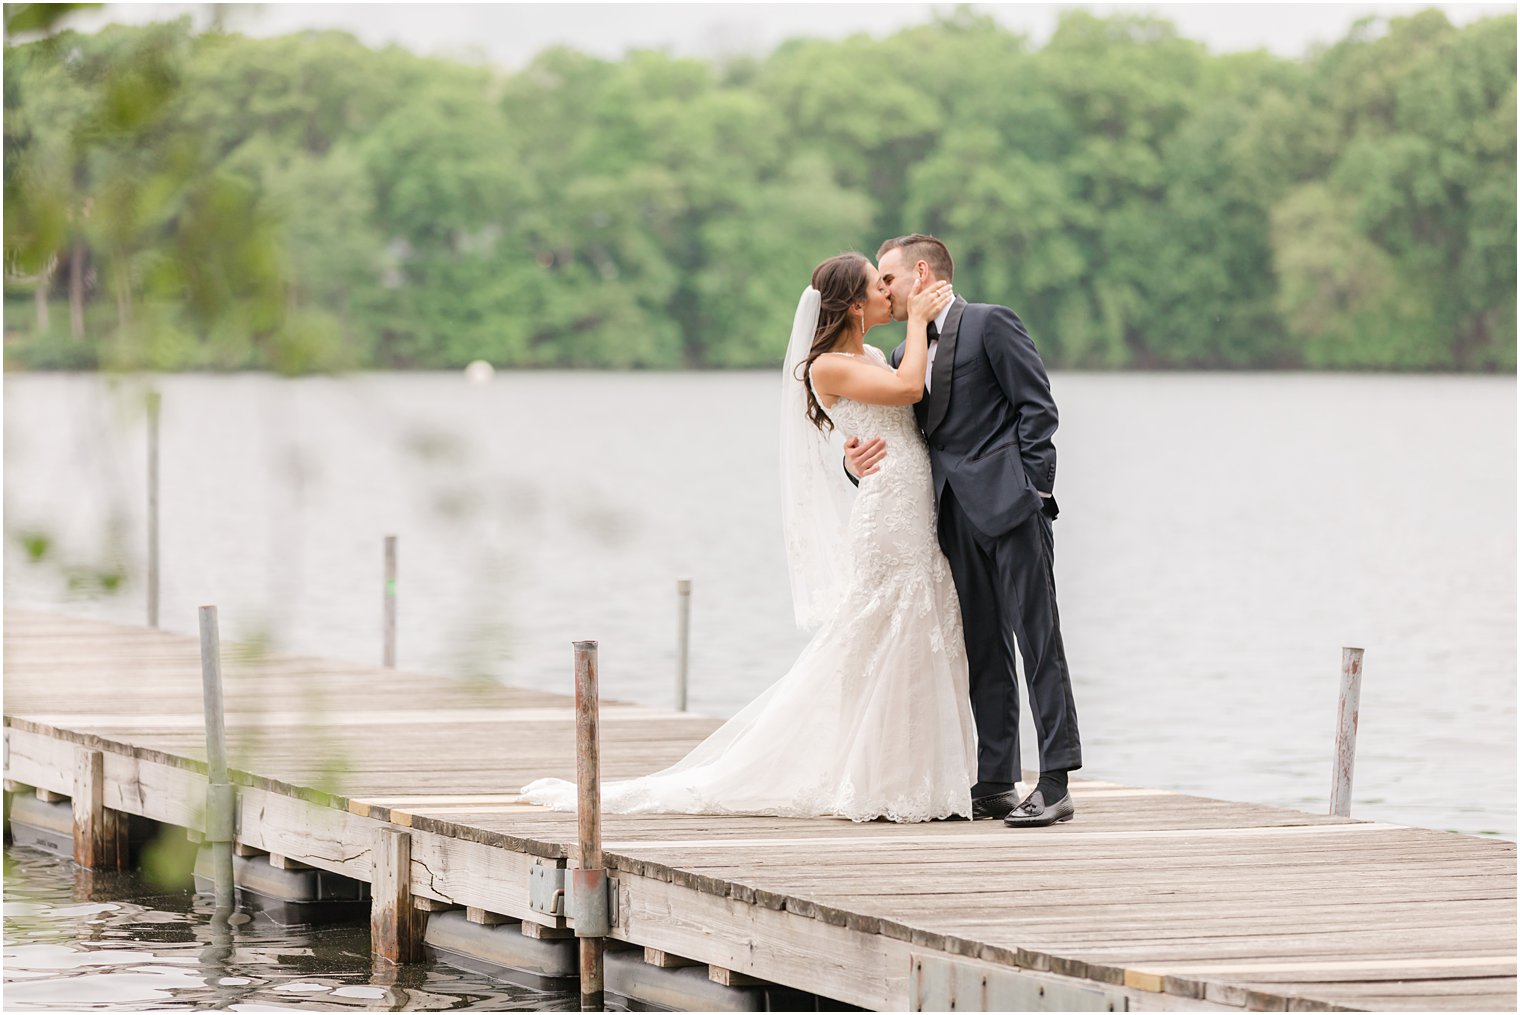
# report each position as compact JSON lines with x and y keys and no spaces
{"x":1007,"y":589}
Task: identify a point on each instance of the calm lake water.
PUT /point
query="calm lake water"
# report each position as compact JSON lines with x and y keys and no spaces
{"x":1222,"y":536}
{"x":129,"y":946}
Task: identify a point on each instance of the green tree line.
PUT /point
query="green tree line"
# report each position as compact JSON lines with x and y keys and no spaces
{"x":205,"y":200}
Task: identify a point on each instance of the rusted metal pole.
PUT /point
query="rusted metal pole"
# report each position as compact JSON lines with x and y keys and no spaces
{"x":588,"y":813}
{"x":683,"y":639}
{"x":1345,"y":732}
{"x":220,"y":814}
{"x":155,"y":402}
{"x":390,"y":603}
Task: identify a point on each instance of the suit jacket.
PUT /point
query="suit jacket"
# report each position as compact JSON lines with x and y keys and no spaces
{"x":989,"y":418}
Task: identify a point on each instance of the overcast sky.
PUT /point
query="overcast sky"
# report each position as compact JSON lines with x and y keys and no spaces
{"x":509,"y":35}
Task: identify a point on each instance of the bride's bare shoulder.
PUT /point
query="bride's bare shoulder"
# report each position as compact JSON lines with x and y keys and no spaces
{"x":832,"y":367}
{"x":838,"y":363}
{"x":827,"y":371}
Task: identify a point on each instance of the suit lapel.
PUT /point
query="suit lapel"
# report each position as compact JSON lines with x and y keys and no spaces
{"x":944,"y":368}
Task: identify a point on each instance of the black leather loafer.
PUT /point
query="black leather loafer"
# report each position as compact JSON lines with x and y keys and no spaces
{"x":1035,"y":813}
{"x":996,"y":806}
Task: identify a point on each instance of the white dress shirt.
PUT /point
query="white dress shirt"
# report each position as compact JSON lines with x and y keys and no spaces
{"x":939,"y":326}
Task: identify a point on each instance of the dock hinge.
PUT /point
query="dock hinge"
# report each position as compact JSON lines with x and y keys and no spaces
{"x":586,"y":898}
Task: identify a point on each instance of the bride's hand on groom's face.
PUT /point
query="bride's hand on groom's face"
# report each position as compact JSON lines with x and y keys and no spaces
{"x":928,"y":299}
{"x":864,"y":458}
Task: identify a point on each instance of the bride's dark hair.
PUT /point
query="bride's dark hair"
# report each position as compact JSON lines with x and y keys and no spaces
{"x":841,"y":283}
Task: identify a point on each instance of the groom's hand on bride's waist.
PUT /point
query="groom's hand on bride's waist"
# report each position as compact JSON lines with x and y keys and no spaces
{"x":863,"y":458}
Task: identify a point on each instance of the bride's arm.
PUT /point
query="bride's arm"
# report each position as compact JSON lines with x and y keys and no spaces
{"x":846,"y":377}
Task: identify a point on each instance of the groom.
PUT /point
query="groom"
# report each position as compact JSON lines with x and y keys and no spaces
{"x":988,"y":416}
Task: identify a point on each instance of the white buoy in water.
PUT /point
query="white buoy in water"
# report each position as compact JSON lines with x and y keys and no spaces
{"x":479,"y":372}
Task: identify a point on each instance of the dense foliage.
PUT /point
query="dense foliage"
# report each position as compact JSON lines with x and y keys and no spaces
{"x":183,"y":200}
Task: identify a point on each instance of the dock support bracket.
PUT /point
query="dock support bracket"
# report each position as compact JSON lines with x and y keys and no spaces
{"x":221,"y":812}
{"x":587,"y":897}
{"x":590,"y":899}
{"x":546,"y":889}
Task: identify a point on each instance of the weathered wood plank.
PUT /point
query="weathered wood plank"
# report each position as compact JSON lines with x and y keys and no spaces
{"x":100,"y":833}
{"x":280,"y":861}
{"x":428,"y":905}
{"x":772,"y":945}
{"x":665,"y":960}
{"x":729,"y":978}
{"x":540,"y":932}
{"x":1201,"y":903}
{"x":486,"y":918}
{"x":396,"y":928}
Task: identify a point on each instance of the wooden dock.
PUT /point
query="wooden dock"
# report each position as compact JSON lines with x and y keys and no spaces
{"x":1148,"y":900}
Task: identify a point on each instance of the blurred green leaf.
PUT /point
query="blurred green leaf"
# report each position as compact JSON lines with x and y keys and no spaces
{"x":21,"y":18}
{"x":36,"y":545}
{"x":168,"y":861}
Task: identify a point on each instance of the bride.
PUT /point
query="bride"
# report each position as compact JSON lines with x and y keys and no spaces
{"x":873,"y":720}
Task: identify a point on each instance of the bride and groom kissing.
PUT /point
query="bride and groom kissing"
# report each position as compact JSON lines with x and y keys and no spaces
{"x":923,"y":565}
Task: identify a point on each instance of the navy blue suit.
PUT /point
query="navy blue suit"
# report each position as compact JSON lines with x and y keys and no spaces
{"x":989,"y":419}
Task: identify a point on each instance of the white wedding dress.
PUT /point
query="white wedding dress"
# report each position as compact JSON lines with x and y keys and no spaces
{"x":873,"y":720}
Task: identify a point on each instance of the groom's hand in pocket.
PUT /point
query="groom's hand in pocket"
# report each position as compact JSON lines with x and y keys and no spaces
{"x":863,"y":458}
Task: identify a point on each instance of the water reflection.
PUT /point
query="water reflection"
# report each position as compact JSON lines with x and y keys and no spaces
{"x":1222,"y":537}
{"x":130,"y":947}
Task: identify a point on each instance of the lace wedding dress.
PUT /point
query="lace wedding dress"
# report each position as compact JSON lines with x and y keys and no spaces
{"x":873,"y":720}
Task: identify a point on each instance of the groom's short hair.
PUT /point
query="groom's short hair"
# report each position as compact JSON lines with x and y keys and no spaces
{"x":922,"y":247}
